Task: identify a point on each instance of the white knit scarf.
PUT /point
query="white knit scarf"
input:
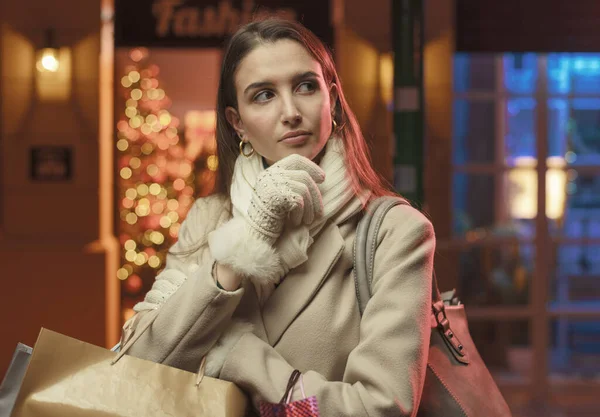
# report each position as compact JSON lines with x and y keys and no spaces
{"x":338,"y":196}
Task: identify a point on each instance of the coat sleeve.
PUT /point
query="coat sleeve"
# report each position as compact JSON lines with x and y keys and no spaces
{"x":192,"y":309}
{"x":385,"y":373}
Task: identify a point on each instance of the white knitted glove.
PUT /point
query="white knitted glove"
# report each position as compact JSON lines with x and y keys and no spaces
{"x":288,"y":187}
{"x":245,"y":244}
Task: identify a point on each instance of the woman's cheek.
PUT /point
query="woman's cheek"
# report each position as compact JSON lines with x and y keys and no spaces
{"x":261,"y":126}
{"x":254,"y":119}
{"x":311,"y":108}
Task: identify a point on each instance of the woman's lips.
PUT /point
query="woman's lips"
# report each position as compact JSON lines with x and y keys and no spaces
{"x":296,"y":140}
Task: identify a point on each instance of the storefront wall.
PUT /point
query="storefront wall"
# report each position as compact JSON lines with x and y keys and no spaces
{"x":52,"y":259}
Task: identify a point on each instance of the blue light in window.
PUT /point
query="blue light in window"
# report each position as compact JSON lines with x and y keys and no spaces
{"x":574,"y":73}
{"x":558,"y":117}
{"x":460,"y":127}
{"x":559,"y":77}
{"x":587,"y":64}
{"x":461,"y":72}
{"x":586,"y":104}
{"x":520,"y":73}
{"x":461,"y":108}
{"x":584,"y":130}
{"x":519,"y":140}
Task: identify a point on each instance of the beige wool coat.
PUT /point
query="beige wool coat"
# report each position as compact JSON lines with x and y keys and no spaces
{"x":371,"y":366}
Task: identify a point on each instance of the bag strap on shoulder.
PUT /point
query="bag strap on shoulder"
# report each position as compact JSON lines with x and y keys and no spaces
{"x":365,"y":244}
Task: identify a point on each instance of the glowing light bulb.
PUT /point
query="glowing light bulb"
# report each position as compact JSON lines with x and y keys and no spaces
{"x":165,"y":222}
{"x":165,"y":119}
{"x":122,"y":145}
{"x":173,"y":216}
{"x":135,"y":162}
{"x":143,"y":190}
{"x":140,"y":259}
{"x":154,"y":261}
{"x":136,"y":94}
{"x":146,"y":129}
{"x":131,"y":218}
{"x":155,"y":189}
{"x":152,"y":170}
{"x":147,"y":148}
{"x":48,"y":61}
{"x":131,"y":112}
{"x":158,"y":208}
{"x":126,"y":82}
{"x":173,"y":204}
{"x":171,"y":132}
{"x":212,"y":162}
{"x":122,"y":274}
{"x":179,"y":184}
{"x":127,"y":203}
{"x":157,"y":238}
{"x":126,"y":173}
{"x":134,"y":76}
{"x":131,"y":193}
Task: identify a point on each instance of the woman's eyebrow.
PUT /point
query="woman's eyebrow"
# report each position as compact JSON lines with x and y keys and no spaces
{"x":259,"y":84}
{"x":304,"y":75}
{"x":295,"y":78}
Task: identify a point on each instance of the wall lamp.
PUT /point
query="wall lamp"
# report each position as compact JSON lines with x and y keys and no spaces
{"x":47,"y":57}
{"x":53,"y":64}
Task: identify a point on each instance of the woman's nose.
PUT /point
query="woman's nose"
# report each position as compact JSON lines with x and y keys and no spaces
{"x":290,"y":113}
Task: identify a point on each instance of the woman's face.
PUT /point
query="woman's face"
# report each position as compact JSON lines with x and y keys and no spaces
{"x":284,"y":104}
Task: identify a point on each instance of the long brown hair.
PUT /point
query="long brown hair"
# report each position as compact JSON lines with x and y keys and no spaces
{"x":248,"y":37}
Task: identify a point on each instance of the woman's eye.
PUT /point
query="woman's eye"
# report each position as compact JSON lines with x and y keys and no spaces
{"x":307,"y":87}
{"x":263,"y":96}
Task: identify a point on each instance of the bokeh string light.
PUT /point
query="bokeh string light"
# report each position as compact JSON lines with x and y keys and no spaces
{"x":162,"y":168}
{"x":154,"y":172}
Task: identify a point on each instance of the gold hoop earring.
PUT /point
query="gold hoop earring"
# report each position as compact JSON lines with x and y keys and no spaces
{"x":247,"y":155}
{"x":335,"y":125}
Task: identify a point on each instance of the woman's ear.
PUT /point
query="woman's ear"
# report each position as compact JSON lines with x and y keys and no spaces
{"x":333,"y":97}
{"x":233,"y":117}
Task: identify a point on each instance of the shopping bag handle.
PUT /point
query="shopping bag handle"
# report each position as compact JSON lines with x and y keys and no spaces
{"x":137,"y":333}
{"x":127,"y":332}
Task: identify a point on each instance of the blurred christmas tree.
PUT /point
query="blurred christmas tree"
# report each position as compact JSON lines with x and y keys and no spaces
{"x":156,"y":178}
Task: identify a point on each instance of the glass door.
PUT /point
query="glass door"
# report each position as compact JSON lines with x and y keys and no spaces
{"x":526,"y":216}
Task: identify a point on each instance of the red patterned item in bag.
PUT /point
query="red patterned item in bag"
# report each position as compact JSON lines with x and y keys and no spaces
{"x":306,"y":407}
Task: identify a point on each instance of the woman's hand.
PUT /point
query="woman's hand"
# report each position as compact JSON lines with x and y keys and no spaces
{"x":287,"y":188}
{"x":244,"y":246}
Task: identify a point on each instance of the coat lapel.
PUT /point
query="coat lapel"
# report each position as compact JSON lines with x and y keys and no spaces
{"x":302,"y":283}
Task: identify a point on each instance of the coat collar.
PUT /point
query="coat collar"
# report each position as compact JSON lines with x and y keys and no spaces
{"x":302,"y":283}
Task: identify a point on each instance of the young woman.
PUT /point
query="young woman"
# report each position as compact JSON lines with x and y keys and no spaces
{"x":260,"y":281}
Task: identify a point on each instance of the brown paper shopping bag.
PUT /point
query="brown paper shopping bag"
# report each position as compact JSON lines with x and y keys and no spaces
{"x":70,"y":378}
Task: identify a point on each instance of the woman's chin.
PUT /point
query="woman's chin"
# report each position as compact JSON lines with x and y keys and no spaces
{"x":307,"y":150}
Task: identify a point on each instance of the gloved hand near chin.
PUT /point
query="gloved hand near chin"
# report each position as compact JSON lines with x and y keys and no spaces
{"x":286,"y":191}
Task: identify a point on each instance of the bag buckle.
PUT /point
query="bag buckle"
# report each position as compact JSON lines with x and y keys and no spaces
{"x":452,"y":341}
